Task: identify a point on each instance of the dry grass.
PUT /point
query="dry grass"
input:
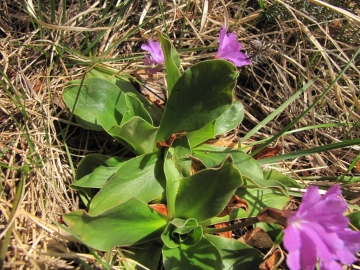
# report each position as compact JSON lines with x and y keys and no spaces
{"x":41,"y":52}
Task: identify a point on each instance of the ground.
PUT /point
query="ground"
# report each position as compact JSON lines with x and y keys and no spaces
{"x":46,"y":44}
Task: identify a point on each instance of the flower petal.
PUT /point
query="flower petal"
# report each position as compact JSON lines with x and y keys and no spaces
{"x":237,"y":58}
{"x":229,"y":49}
{"x":292,"y":240}
{"x":307,"y":252}
{"x":330,"y":265}
{"x":157,"y":56}
{"x":319,"y":230}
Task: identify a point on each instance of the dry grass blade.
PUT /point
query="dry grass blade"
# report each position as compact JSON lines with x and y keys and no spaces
{"x":42,"y":47}
{"x":337,"y":9}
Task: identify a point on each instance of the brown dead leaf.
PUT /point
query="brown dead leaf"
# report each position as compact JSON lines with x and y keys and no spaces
{"x":257,"y":238}
{"x":37,"y":85}
{"x":152,"y":87}
{"x":227,"y":234}
{"x":356,"y":169}
{"x":235,"y":202}
{"x":304,"y":173}
{"x":317,"y":162}
{"x":273,"y":215}
{"x":196,"y":165}
{"x":228,"y":142}
{"x":11,"y":73}
{"x":169,"y":141}
{"x":58,"y":101}
{"x":267,"y":152}
{"x":160,"y":208}
{"x":271,"y":262}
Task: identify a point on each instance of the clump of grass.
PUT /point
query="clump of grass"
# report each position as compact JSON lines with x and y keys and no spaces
{"x":46,"y":44}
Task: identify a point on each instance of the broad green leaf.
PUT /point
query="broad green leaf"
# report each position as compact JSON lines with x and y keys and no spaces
{"x":206,"y":193}
{"x":230,"y":119}
{"x":129,"y":223}
{"x":178,"y":155}
{"x":147,"y":254}
{"x":176,"y":166}
{"x":113,"y":76}
{"x":137,"y":134}
{"x":141,"y":177}
{"x":99,"y":103}
{"x":248,"y":167}
{"x":181,"y":231}
{"x":263,"y":183}
{"x":281,"y":178}
{"x":102,"y":105}
{"x":259,"y":198}
{"x":200,"y":96}
{"x":135,"y":108}
{"x":94,"y":170}
{"x":355,"y":219}
{"x":172,"y":61}
{"x":236,"y":255}
{"x":199,"y":136}
{"x":202,"y":256}
{"x":211,"y":155}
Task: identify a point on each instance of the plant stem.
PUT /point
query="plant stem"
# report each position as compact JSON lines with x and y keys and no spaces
{"x":248,"y":222}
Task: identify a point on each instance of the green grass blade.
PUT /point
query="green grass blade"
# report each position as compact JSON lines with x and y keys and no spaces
{"x":310,"y":107}
{"x":277,"y":111}
{"x":16,"y":203}
{"x":314,"y":150}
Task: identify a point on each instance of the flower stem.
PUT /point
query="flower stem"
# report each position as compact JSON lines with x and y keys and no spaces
{"x":248,"y":222}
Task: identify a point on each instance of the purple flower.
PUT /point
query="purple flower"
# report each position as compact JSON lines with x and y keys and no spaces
{"x":320,"y":230}
{"x":229,"y":49}
{"x":157,"y":56}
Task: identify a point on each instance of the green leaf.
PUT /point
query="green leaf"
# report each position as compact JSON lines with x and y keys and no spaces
{"x":259,"y":198}
{"x":355,"y":219}
{"x":113,"y":76}
{"x":141,"y":177}
{"x":129,"y":223}
{"x":147,"y":254}
{"x":198,"y":136}
{"x":94,"y":170}
{"x":211,"y":155}
{"x":172,"y":61}
{"x":135,"y":108}
{"x":206,"y":193}
{"x":248,"y":167}
{"x":202,"y":256}
{"x":281,"y":178}
{"x":230,"y":119}
{"x":137,"y":134}
{"x":181,"y":231}
{"x":99,"y":103}
{"x":236,"y":255}
{"x":178,"y":155}
{"x":176,"y":166}
{"x":103,"y":106}
{"x":201,"y":95}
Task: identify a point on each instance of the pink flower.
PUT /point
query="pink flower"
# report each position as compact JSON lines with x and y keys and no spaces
{"x":229,"y":49}
{"x":157,"y":56}
{"x":320,"y":230}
